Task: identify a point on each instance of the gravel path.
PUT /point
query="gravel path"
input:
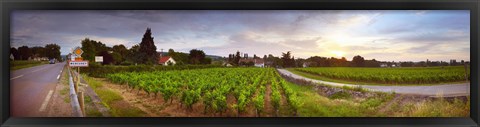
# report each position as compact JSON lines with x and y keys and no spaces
{"x":447,"y":90}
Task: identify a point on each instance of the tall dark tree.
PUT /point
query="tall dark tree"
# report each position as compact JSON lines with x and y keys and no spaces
{"x":24,"y":52}
{"x":230,"y":58}
{"x":148,"y":48}
{"x":236,"y":59}
{"x":52,"y":51}
{"x":358,"y":61}
{"x":287,"y":60}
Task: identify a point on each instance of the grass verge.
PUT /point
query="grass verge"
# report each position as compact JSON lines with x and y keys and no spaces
{"x":381,"y":105}
{"x":20,"y":64}
{"x":112,"y":100}
{"x":91,"y":111}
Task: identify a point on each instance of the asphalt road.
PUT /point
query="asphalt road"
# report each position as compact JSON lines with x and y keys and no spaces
{"x":31,"y":89}
{"x":445,"y":90}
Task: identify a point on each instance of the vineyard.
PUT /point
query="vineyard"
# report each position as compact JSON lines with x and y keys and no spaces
{"x":211,"y":87}
{"x":421,"y":75}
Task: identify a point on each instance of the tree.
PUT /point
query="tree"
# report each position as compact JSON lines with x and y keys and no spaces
{"x":358,"y":61}
{"x":197,"y":57}
{"x":117,"y":58}
{"x":206,"y":60}
{"x":107,"y":58}
{"x":287,"y":60}
{"x":91,"y":48}
{"x":171,"y":52}
{"x":15,"y":53}
{"x":38,"y":51}
{"x":299,"y":62}
{"x":119,"y":53}
{"x":24,"y":52}
{"x":179,"y":57}
{"x":148,"y":48}
{"x":371,"y":63}
{"x":52,"y":51}
{"x":134,"y":54}
{"x":236,"y":58}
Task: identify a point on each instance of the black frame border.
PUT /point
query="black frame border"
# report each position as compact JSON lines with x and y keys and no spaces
{"x":9,"y":5}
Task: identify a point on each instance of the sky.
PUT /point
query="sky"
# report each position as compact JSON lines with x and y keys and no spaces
{"x":384,"y":35}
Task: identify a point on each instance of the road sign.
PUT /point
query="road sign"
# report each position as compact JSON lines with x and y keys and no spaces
{"x":78,"y":59}
{"x":78,"y":63}
{"x":78,"y":51}
{"x":98,"y":58}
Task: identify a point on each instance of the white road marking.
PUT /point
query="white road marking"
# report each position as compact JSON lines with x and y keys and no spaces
{"x":45,"y":102}
{"x":58,"y":77}
{"x":16,"y":77}
{"x":39,"y":69}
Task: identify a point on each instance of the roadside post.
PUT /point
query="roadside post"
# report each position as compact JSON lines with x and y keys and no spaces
{"x":466,"y":71}
{"x":82,"y":102}
{"x":78,"y":62}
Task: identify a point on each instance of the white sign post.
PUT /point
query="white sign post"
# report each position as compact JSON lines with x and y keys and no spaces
{"x":99,"y":59}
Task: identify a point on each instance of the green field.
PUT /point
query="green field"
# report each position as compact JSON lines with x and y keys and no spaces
{"x":19,"y":64}
{"x":388,"y":76}
{"x":263,"y":92}
{"x":211,"y":87}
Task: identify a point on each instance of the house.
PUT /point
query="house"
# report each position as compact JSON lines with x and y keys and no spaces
{"x":259,"y":63}
{"x":256,"y":62}
{"x":11,"y":57}
{"x":383,"y":65}
{"x":307,"y":64}
{"x":166,"y":60}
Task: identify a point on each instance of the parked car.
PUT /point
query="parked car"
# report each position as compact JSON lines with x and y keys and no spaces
{"x":52,"y":61}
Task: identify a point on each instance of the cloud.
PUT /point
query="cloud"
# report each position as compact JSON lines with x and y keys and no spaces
{"x":381,"y":34}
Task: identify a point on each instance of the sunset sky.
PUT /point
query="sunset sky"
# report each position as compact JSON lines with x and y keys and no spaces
{"x":400,"y":35}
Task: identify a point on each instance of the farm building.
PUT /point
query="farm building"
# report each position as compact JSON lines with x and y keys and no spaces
{"x":166,"y":60}
{"x":259,"y":63}
{"x":383,"y":65}
{"x":256,"y":62}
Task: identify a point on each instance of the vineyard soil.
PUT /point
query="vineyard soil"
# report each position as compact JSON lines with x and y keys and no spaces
{"x":156,"y":107}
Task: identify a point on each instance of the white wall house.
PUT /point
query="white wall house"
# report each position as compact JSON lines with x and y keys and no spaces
{"x":383,"y":65}
{"x":166,"y":60}
{"x":259,"y":63}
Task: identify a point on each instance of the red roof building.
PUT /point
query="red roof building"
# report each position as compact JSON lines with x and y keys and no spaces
{"x":165,"y":60}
